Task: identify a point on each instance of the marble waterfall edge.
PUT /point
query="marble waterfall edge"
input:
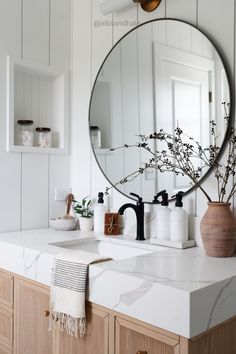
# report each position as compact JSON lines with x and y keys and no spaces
{"x":182,"y":291}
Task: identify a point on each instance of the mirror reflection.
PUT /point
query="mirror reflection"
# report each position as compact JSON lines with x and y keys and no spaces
{"x":164,"y":74}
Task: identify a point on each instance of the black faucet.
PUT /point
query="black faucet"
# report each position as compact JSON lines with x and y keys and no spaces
{"x":139,"y":211}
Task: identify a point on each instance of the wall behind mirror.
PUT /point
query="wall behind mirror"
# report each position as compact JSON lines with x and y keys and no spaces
{"x":162,"y":75}
{"x":216,"y":19}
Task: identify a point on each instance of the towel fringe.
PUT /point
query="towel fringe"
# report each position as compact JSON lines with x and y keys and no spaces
{"x":73,"y":326}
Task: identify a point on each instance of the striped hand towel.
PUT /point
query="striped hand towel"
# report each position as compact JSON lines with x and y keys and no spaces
{"x":68,"y":289}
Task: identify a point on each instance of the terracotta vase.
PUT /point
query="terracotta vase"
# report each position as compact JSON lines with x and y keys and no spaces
{"x":218,"y":230}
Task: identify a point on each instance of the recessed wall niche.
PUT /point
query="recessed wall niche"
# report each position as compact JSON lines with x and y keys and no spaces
{"x":39,"y":94}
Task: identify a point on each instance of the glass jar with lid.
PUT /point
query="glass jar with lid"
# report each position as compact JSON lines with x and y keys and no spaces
{"x":95,"y":134}
{"x":25,"y":136}
{"x":43,"y":137}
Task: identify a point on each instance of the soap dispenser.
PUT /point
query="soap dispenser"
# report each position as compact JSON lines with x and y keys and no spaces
{"x":99,"y":214}
{"x":179,"y":221}
{"x":147,"y":221}
{"x":163,"y":218}
{"x":154,"y":207}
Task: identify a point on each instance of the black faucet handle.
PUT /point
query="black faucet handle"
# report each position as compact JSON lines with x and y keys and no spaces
{"x":140,"y":200}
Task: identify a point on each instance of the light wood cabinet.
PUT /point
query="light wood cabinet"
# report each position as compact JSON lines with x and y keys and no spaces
{"x":31,"y":335}
{"x":108,"y":332}
{"x":4,"y":350}
{"x":218,"y":340}
{"x":6,"y":289}
{"x":6,"y":312}
{"x":95,"y":341}
{"x":132,"y":338}
{"x":6,"y":326}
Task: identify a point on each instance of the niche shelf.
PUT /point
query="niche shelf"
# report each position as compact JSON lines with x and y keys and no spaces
{"x":38,"y":93}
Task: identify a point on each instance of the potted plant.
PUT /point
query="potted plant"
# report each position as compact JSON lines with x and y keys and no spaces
{"x":85,"y":214}
{"x":218,"y":225}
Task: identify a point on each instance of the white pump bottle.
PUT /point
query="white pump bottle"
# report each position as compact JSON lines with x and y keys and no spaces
{"x":179,"y":221}
{"x":99,"y":214}
{"x":163,"y":218}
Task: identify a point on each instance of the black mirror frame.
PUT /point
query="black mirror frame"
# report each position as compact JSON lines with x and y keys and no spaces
{"x":231,"y":111}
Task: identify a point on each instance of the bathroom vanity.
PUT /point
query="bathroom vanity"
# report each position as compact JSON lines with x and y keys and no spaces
{"x":158,"y":301}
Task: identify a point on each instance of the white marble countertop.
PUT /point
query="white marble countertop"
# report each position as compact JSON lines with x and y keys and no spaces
{"x":182,"y":291}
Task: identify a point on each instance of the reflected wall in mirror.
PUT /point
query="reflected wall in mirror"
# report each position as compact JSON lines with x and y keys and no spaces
{"x":163,"y":74}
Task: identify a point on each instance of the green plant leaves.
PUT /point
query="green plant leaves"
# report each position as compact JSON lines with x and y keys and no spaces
{"x":83,"y":207}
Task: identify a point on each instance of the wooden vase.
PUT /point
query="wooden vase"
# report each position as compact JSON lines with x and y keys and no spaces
{"x":218,"y":230}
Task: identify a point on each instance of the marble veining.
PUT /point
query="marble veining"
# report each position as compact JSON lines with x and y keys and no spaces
{"x":130,"y":297}
{"x":32,"y":263}
{"x":219,"y":298}
{"x":182,"y":291}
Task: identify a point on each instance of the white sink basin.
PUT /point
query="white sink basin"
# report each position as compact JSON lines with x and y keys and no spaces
{"x":114,"y":250}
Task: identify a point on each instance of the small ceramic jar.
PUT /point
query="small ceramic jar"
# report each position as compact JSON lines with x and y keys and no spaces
{"x":25,"y":133}
{"x":43,"y":137}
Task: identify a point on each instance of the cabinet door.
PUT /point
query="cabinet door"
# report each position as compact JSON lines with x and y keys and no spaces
{"x":4,"y":350}
{"x":6,"y":327}
{"x":6,"y":289}
{"x":31,"y":335}
{"x":132,"y":338}
{"x":95,"y":340}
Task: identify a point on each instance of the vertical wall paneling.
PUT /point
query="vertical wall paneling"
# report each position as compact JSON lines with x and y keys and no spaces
{"x":35,"y":191}
{"x":10,"y":171}
{"x":25,"y":178}
{"x":130,"y":93}
{"x":59,"y":177}
{"x":219,"y":25}
{"x":116,"y":137}
{"x":60,"y":57}
{"x":36,"y":30}
{"x":35,"y":187}
{"x":10,"y":190}
{"x":216,"y":18}
{"x":101,"y":32}
{"x":177,"y":36}
{"x":10,"y":26}
{"x":182,"y":9}
{"x":124,"y":21}
{"x":46,"y":39}
{"x":60,"y":33}
{"x":81,"y":88}
{"x":101,"y":182}
{"x":146,"y":99}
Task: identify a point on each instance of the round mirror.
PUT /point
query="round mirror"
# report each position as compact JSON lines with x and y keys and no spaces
{"x":162,"y":75}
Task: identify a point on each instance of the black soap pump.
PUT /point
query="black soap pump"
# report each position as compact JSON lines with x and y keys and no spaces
{"x":179,"y":221}
{"x":163,"y":218}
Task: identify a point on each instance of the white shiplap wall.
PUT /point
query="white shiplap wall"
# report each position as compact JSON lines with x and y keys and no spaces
{"x":40,"y":31}
{"x":92,"y":42}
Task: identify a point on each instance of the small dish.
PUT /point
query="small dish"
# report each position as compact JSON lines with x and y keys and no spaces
{"x":63,"y":224}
